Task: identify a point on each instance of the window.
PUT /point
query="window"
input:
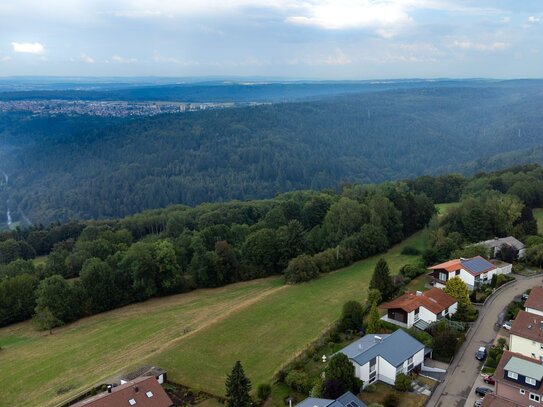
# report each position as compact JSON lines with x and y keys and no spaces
{"x":410,"y":364}
{"x":399,"y":369}
{"x":535,"y":397}
{"x":149,"y":394}
{"x":522,"y":391}
{"x":531,"y":381}
{"x":512,"y":375}
{"x":457,"y":272}
{"x":443,"y":276}
{"x":132,"y":402}
{"x":446,"y":311}
{"x":541,"y":346}
{"x":373,"y":364}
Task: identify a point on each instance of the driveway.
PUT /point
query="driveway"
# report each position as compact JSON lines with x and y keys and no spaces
{"x":456,"y":388}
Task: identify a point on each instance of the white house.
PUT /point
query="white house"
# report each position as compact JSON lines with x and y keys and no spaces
{"x":473,"y":272}
{"x":495,"y":245}
{"x":382,"y":357}
{"x":534,"y":303}
{"x":526,"y":335}
{"x":419,"y":309}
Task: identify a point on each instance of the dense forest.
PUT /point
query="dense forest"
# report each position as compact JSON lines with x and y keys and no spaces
{"x":94,"y":168}
{"x":299,"y":234}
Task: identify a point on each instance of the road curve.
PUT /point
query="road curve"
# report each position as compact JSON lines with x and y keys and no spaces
{"x":464,"y":369}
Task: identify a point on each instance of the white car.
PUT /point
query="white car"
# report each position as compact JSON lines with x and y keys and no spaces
{"x":507,"y":325}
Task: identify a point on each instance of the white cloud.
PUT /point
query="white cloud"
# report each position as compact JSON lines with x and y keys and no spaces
{"x":534,"y":19}
{"x":5,"y":58}
{"x":334,"y":15}
{"x":86,"y":58}
{"x":491,"y":47}
{"x":338,"y":58}
{"x":28,"y":47}
{"x":123,"y":60}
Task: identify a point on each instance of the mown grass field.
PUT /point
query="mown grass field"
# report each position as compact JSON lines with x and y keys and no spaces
{"x":262,"y":323}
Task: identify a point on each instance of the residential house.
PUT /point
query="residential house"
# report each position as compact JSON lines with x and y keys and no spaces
{"x":141,"y":392}
{"x":473,"y":272}
{"x":526,"y":335}
{"x":491,"y":400}
{"x":382,"y":357}
{"x":534,"y":303}
{"x":419,"y":309}
{"x":347,"y":400}
{"x":518,"y":381}
{"x":495,"y":245}
{"x":158,"y":373}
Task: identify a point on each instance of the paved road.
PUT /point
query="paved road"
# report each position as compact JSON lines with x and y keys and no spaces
{"x":464,"y":369}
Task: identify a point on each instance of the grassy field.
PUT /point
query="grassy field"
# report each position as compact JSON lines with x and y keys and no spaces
{"x":262,"y":323}
{"x":538,"y":214}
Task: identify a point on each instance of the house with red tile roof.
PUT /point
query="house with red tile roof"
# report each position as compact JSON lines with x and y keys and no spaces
{"x":144,"y":391}
{"x":474,"y":271}
{"x":526,"y":335}
{"x":420,"y":309}
{"x":534,"y":303}
{"x":519,"y":382}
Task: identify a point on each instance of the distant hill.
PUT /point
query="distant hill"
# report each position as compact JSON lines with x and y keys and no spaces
{"x":95,"y":168}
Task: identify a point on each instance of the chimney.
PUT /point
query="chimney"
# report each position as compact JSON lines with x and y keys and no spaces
{"x":109,"y":387}
{"x":377,"y":338}
{"x":136,"y":389}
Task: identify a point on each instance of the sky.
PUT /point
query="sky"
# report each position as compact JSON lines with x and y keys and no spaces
{"x":311,"y":39}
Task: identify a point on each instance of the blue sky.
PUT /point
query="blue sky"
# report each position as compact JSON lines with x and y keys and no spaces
{"x":311,"y":39}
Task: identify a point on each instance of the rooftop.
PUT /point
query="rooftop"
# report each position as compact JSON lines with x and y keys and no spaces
{"x":475,"y":266}
{"x":434,"y":300}
{"x":499,"y":242}
{"x":141,"y":392}
{"x":524,"y":365}
{"x":346,"y":400}
{"x":535,"y":299}
{"x":491,"y":400}
{"x":395,"y":348}
{"x":528,"y":325}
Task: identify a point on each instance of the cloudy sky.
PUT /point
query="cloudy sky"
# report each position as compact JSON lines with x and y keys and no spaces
{"x":316,"y":39}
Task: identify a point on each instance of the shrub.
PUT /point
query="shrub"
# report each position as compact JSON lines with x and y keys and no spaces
{"x":410,"y":251}
{"x":263,"y":391}
{"x":403,"y":382}
{"x":370,"y":388}
{"x":298,"y":381}
{"x":392,"y":400}
{"x":412,"y":271}
{"x":376,"y":405}
{"x":301,"y":268}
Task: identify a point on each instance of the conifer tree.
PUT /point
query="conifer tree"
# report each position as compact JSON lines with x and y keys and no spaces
{"x":382,"y":281}
{"x":374,"y":322}
{"x":238,"y":387}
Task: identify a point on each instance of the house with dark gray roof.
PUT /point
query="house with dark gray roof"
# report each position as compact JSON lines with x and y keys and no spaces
{"x":347,"y":400}
{"x":382,"y":357}
{"x":495,"y":245}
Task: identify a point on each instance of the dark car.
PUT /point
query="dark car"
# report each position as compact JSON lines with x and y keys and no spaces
{"x":478,"y":403}
{"x":481,"y":391}
{"x":481,"y":353}
{"x":489,"y":379}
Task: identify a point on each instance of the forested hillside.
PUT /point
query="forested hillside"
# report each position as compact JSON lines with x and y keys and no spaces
{"x":115,"y":169}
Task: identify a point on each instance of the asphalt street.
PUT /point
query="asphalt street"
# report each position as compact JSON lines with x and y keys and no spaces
{"x":465,"y":369}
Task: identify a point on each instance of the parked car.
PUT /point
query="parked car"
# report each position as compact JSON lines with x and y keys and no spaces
{"x":482,"y":391}
{"x":478,"y":403}
{"x":525,"y":296}
{"x":481,"y":353}
{"x":507,"y":325}
{"x":489,"y":379}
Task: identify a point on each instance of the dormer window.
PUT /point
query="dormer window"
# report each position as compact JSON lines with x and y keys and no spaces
{"x":512,"y":375}
{"x":531,"y":381}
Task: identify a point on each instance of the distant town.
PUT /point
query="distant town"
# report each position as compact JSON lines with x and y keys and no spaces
{"x":109,"y":108}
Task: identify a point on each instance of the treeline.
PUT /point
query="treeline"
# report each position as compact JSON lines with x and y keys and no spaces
{"x":103,"y":171}
{"x":177,"y":249}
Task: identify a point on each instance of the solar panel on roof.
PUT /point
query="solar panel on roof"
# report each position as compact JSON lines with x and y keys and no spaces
{"x":476,"y":265}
